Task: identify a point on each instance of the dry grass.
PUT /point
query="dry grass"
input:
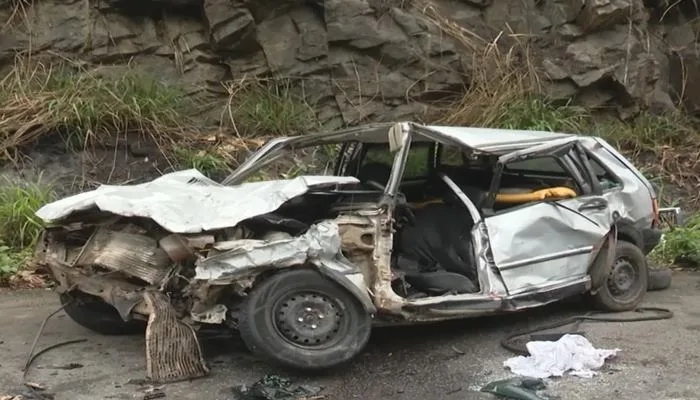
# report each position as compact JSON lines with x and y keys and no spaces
{"x":501,"y":73}
{"x":39,"y":99}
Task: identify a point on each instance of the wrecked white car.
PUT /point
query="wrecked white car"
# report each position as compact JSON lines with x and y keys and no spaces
{"x":416,"y":224}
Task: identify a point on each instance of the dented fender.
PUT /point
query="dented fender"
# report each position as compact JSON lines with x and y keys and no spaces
{"x":349,"y":277}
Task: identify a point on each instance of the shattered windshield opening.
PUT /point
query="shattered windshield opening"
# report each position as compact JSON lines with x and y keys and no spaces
{"x":311,"y":160}
{"x":286,"y":163}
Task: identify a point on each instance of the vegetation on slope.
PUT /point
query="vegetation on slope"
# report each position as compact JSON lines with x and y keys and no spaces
{"x":19,"y":227}
{"x":502,"y":90}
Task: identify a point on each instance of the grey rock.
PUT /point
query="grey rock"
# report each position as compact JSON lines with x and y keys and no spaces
{"x":685,"y":79}
{"x":354,"y":22}
{"x":569,"y":31}
{"x":661,"y":103}
{"x":588,"y":78}
{"x":681,"y":35}
{"x":231,"y":24}
{"x":410,"y":24}
{"x":599,"y":14}
{"x":280,"y":41}
{"x":638,"y":77}
{"x":63,"y":26}
{"x":252,"y":66}
{"x":554,"y":71}
{"x":561,"y":12}
{"x":185,"y":32}
{"x":601,"y":49}
{"x":594,"y":97}
{"x":479,"y":3}
{"x":116,"y":37}
{"x":560,"y":90}
{"x":358,"y":60}
{"x":314,"y":41}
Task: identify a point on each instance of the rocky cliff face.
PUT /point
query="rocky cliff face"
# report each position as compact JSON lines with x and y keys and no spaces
{"x":358,"y":60}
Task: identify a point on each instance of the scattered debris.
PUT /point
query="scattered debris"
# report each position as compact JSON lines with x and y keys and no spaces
{"x":154,"y":393}
{"x":29,"y":279}
{"x":34,"y":386}
{"x":66,"y":366}
{"x":33,"y":391}
{"x":516,"y":388}
{"x":273,"y":387}
{"x":572,"y":353}
{"x":137,"y":381}
{"x":453,"y":391}
{"x":28,"y":396}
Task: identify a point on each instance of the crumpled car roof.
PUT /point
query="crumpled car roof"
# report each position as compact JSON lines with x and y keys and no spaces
{"x":481,"y":139}
{"x":189,"y":202}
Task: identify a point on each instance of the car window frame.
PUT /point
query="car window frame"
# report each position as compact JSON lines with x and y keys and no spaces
{"x":616,"y":178}
{"x":430,"y":159}
{"x":570,"y":152}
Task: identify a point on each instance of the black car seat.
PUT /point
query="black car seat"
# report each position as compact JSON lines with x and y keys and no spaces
{"x":438,"y":241}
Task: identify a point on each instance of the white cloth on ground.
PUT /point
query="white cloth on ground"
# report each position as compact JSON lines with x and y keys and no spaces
{"x":571,"y":353}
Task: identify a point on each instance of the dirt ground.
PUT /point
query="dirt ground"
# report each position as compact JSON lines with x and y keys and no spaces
{"x":659,"y":359}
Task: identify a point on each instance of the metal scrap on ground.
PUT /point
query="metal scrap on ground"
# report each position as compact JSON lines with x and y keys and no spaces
{"x":273,"y":387}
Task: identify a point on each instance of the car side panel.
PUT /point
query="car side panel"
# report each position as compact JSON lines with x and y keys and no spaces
{"x":542,"y":244}
{"x":635,"y":195}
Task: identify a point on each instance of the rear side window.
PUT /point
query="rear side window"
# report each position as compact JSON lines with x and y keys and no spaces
{"x":544,"y":165}
{"x":451,"y":156}
{"x":607,"y":180}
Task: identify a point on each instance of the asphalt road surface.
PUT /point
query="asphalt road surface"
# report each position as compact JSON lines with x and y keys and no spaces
{"x":659,"y":359}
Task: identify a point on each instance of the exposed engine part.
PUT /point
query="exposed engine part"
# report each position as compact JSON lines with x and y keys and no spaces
{"x":177,"y":247}
{"x":131,"y":253}
{"x":213,"y":315}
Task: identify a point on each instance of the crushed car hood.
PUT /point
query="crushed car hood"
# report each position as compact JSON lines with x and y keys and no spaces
{"x":189,"y":202}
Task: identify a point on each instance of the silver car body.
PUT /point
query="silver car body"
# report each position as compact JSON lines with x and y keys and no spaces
{"x":533,"y":255}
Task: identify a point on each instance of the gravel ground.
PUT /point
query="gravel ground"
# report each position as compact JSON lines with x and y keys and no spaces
{"x":659,"y":359}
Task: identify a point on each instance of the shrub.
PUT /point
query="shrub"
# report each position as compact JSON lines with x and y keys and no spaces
{"x":681,"y":244}
{"x":19,"y":226}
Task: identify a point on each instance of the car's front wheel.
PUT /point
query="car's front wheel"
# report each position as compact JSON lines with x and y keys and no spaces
{"x":627,"y":282}
{"x":300,"y":319}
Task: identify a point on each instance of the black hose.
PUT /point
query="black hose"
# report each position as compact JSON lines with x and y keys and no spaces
{"x":658,"y":314}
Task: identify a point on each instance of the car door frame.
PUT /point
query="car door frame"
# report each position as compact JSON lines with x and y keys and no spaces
{"x":595,"y":233}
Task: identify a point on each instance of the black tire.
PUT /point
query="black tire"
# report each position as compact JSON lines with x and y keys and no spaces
{"x":659,"y":279}
{"x":94,"y":314}
{"x":627,"y":282}
{"x":279,"y":318}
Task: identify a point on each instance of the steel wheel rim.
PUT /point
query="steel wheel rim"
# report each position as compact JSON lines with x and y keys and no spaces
{"x":309,"y":319}
{"x":623,"y":279}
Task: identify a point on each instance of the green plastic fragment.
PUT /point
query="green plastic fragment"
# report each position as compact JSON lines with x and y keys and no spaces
{"x":516,"y":388}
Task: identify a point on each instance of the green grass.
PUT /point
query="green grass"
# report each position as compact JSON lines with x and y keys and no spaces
{"x":205,"y":161}
{"x":46,"y":99}
{"x":19,"y":227}
{"x":11,"y":261}
{"x":650,"y":133}
{"x":540,"y":115}
{"x":268,"y":108}
{"x":681,"y":245}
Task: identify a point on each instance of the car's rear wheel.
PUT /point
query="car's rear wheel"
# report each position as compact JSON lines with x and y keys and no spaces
{"x":93,"y":313}
{"x":300,"y":319}
{"x":627,"y":282}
